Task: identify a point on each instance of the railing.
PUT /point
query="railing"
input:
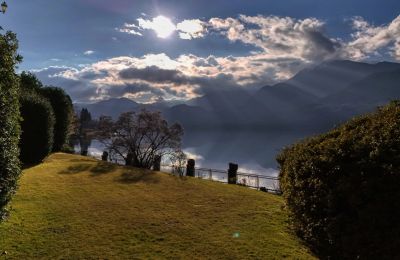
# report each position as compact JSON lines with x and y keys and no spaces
{"x":255,"y":181}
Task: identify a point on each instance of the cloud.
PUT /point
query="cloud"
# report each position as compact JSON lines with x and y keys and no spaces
{"x":280,"y":37}
{"x":283,"y":37}
{"x":128,"y":31}
{"x":61,"y":76}
{"x":370,"y":40}
{"x":284,"y":46}
{"x":154,"y":74}
{"x":164,"y":27}
{"x":89,"y":52}
{"x":161,"y":25}
{"x":181,"y":78}
{"x":191,"y":29}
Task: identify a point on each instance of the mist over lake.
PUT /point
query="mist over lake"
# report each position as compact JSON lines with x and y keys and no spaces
{"x":254,"y":151}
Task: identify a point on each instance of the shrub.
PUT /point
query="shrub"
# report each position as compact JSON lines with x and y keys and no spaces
{"x":63,"y":112}
{"x":343,"y":188}
{"x":68,"y":149}
{"x":29,"y":82}
{"x":37,"y":128}
{"x":9,"y":119}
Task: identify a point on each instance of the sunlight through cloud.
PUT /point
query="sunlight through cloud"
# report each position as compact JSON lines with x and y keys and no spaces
{"x":162,"y":26}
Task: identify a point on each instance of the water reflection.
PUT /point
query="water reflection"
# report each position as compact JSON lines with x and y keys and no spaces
{"x":255,"y":152}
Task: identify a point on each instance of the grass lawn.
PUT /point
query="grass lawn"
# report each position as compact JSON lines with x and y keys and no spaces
{"x":76,"y":207}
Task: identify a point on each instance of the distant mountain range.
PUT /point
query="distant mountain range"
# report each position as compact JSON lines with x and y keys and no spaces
{"x":314,"y":99}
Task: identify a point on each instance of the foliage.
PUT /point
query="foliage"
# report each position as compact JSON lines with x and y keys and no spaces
{"x":118,"y":212}
{"x":68,"y":149}
{"x":342,"y":187}
{"x":29,"y":82}
{"x":139,"y":138}
{"x":63,"y":112}
{"x":9,"y":119}
{"x":37,"y":128}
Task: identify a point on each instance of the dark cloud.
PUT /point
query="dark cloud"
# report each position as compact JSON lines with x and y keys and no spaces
{"x":155,"y":75}
{"x":119,"y":91}
{"x":79,"y":90}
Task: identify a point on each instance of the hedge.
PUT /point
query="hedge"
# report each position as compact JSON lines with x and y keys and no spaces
{"x":37,"y":128}
{"x":342,"y":188}
{"x":63,"y":112}
{"x":9,"y":119}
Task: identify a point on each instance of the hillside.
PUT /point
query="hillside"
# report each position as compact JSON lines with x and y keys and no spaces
{"x":77,"y":207}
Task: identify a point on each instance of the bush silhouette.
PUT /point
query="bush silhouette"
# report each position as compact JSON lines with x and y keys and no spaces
{"x":343,"y":187}
{"x":63,"y":112}
{"x":37,"y":128}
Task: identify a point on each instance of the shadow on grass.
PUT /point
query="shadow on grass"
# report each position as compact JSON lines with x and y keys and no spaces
{"x":103,"y":168}
{"x":74,"y":169}
{"x":81,"y":160}
{"x":97,"y":169}
{"x":132,"y":176}
{"x":129,"y":175}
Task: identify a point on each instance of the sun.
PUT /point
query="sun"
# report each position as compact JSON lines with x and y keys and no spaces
{"x":163,"y":26}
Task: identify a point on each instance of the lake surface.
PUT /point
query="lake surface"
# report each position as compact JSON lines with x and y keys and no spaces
{"x":255,"y":152}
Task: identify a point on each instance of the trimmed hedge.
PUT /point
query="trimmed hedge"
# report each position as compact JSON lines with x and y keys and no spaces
{"x":9,"y":119}
{"x":343,"y":188}
{"x":30,"y":82}
{"x":63,"y":112}
{"x":37,"y":128}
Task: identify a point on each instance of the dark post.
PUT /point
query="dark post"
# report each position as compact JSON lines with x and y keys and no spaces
{"x":104,"y":156}
{"x":232,"y":173}
{"x":190,"y":167}
{"x":157,"y":163}
{"x":129,"y":158}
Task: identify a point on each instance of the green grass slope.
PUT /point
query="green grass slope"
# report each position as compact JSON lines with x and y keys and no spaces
{"x":75,"y":207}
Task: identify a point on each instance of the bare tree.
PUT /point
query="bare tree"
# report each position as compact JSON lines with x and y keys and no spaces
{"x":178,"y":160}
{"x":140,"y":139}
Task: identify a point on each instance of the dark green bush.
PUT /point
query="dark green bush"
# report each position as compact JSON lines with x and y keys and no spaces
{"x":9,"y":119}
{"x":37,"y":128}
{"x":343,"y":188}
{"x":29,"y":82}
{"x":63,"y":112}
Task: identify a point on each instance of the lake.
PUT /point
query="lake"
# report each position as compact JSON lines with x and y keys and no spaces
{"x":253,"y":151}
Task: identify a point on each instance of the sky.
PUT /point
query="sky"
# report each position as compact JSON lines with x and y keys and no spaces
{"x":178,"y":50}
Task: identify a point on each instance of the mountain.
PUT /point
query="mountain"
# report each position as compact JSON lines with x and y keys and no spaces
{"x":333,"y":76}
{"x":314,"y":99}
{"x":111,"y":107}
{"x":375,"y":90}
{"x":192,"y":117}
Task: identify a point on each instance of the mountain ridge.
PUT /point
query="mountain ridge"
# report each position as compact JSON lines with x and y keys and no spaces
{"x":313,"y":98}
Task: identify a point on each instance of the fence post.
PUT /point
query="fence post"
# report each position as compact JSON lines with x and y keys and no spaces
{"x":157,"y":163}
{"x":258,"y":182}
{"x":129,"y":159}
{"x":210,"y":175}
{"x":104,"y":156}
{"x":190,"y":171}
{"x":232,"y":173}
